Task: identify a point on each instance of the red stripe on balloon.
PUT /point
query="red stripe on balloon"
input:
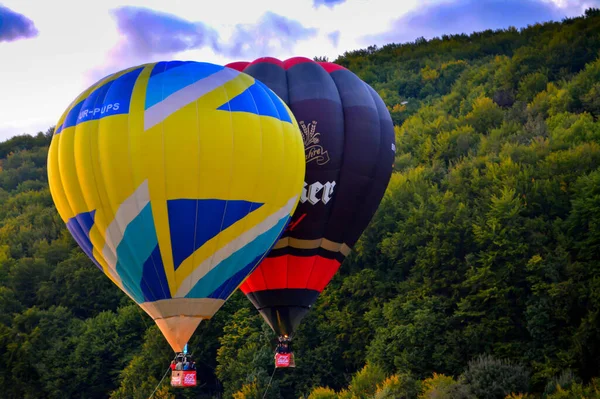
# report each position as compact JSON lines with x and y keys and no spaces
{"x":270,"y":60}
{"x":290,"y":62}
{"x":238,"y":65}
{"x":330,"y":66}
{"x":287,"y":64}
{"x":288,"y":271}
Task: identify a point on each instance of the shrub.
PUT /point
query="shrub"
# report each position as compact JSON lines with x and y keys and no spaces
{"x":365,"y":382}
{"x":443,"y":387}
{"x":248,"y":391}
{"x":577,"y":391}
{"x":491,"y":378}
{"x":520,"y":396}
{"x":399,"y":386}
{"x":345,"y":394}
{"x":323,"y":393}
{"x":565,"y":380}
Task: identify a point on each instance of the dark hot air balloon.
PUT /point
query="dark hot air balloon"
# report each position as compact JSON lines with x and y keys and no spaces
{"x":349,"y":148}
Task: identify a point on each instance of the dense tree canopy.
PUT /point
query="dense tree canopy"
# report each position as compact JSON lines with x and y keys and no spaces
{"x":478,"y":276}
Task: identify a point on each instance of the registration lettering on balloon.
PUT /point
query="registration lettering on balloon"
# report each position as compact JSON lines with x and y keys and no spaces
{"x":312,"y":149}
{"x":97,"y":110}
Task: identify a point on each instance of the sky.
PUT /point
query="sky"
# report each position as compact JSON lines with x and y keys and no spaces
{"x":50,"y":51}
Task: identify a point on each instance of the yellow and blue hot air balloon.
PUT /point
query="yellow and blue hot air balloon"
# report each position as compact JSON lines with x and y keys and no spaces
{"x":176,"y":178}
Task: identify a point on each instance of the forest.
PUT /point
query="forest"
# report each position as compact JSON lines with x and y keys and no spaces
{"x":478,"y":277}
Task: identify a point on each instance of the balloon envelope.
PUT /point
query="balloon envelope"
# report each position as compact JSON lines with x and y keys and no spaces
{"x":176,"y":178}
{"x":349,"y":151}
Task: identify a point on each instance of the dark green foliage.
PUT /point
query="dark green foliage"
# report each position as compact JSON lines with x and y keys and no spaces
{"x":25,"y":142}
{"x":486,"y":241}
{"x":531,"y":84}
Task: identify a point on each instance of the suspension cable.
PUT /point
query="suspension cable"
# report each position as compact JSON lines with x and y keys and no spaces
{"x":269,"y":384}
{"x":160,"y":382}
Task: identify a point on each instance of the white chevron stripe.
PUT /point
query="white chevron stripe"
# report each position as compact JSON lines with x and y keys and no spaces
{"x":160,"y":111}
{"x":208,"y":264}
{"x":129,"y":210}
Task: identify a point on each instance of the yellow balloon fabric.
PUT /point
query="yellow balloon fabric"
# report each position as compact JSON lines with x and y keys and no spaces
{"x":176,"y":178}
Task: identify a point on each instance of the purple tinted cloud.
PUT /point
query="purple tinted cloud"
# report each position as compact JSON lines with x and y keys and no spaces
{"x":146,"y":32}
{"x":467,"y":16}
{"x":15,"y":26}
{"x":269,"y":36}
{"x":148,"y":35}
{"x":327,"y":3}
{"x":334,"y":37}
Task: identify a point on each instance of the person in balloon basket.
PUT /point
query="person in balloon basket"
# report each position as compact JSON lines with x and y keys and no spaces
{"x":283,"y":346}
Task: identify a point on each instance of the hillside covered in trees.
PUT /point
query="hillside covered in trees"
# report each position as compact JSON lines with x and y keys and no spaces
{"x":479,"y":276}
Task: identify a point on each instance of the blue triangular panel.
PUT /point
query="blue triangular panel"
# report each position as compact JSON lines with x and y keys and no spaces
{"x":154,"y":282}
{"x":79,"y":227}
{"x":172,"y":78}
{"x":243,"y":102}
{"x":193,"y":222}
{"x":278,"y":102}
{"x":237,"y":210}
{"x":164,"y":66}
{"x":257,"y":99}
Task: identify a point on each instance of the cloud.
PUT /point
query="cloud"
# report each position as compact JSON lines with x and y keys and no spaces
{"x":334,"y":37}
{"x":148,"y":36}
{"x":467,"y":16}
{"x":575,"y":7}
{"x":15,"y":26}
{"x":327,"y":3}
{"x":269,"y":36}
{"x":148,"y":32}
